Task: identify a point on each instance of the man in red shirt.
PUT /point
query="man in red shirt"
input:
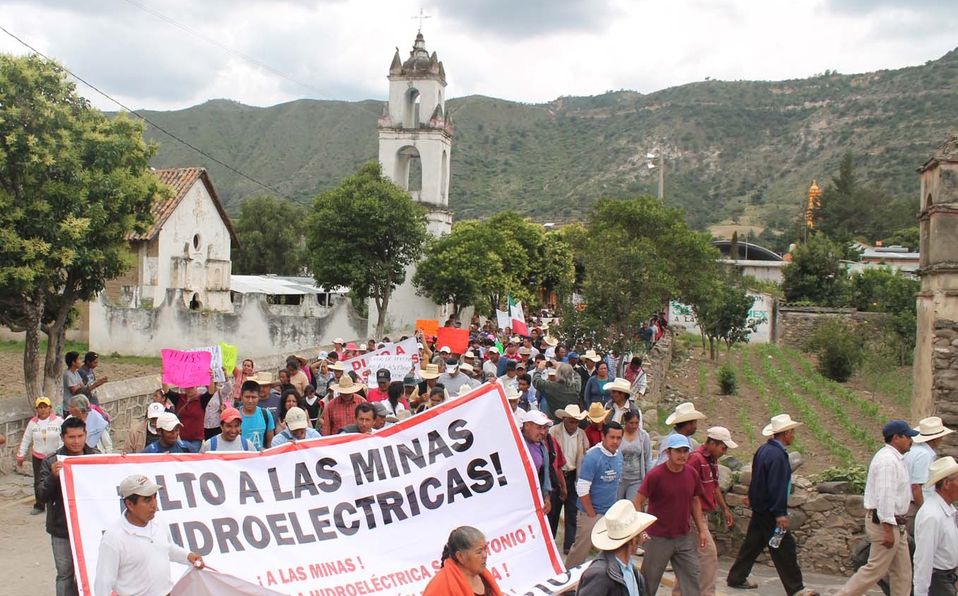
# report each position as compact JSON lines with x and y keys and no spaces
{"x":673,"y":492}
{"x":190,"y":408}
{"x":341,"y":410}
{"x":382,"y":386}
{"x":704,"y":462}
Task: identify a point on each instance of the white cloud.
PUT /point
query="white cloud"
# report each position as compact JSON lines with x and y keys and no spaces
{"x":342,"y":49}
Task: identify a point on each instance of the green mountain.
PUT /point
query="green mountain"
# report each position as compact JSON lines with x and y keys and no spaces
{"x":726,"y":144}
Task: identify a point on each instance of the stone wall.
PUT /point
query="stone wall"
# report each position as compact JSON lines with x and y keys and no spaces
{"x":826,"y":520}
{"x":656,"y":364}
{"x":796,"y":324}
{"x":945,"y":381}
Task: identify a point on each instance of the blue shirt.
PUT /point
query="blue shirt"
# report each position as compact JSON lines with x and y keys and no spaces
{"x":180,"y":446}
{"x":287,"y":436}
{"x":604,"y":473}
{"x":630,"y":584}
{"x":255,"y":427}
{"x":771,"y":479}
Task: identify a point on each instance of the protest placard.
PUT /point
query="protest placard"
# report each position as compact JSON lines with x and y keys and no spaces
{"x":186,"y":369}
{"x":229,"y":357}
{"x":216,"y":362}
{"x":428,"y":326}
{"x":353,"y":500}
{"x":406,"y":357}
{"x":456,"y":339}
{"x":503,"y":319}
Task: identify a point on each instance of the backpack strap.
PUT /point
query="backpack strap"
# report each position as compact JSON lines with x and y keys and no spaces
{"x":213,"y":442}
{"x":246,"y":445}
{"x":265,"y":420}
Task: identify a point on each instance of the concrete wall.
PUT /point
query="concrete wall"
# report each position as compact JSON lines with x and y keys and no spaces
{"x":252,"y":325}
{"x":763,"y":313}
{"x":796,"y":324}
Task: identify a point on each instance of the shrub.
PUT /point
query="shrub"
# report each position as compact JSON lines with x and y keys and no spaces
{"x":854,"y":475}
{"x":728,"y":383}
{"x":839,"y":349}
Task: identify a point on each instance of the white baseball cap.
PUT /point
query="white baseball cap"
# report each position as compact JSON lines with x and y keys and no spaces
{"x":296,"y":419}
{"x":445,"y":350}
{"x":537,"y":417}
{"x":720,"y":433}
{"x":138,"y":484}
{"x":154,"y":410}
{"x":167,"y":421}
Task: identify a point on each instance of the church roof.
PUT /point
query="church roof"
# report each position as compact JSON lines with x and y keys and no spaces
{"x":181,"y":180}
{"x":419,"y":64}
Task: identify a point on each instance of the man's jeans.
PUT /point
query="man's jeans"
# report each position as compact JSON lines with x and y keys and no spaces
{"x":63,"y":558}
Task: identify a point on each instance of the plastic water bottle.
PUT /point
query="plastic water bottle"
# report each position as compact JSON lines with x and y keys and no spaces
{"x":776,"y":540}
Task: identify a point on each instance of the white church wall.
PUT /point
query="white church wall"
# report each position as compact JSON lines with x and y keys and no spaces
{"x":762,"y":313}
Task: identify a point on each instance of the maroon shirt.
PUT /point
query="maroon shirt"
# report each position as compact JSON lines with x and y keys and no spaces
{"x":191,"y":414}
{"x":669,"y":497}
{"x":707,"y":469}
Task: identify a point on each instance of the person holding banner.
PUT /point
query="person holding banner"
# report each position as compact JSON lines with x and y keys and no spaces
{"x":168,"y":425}
{"x":73,"y":436}
{"x":463,"y":571}
{"x":618,"y":535}
{"x":190,"y":408}
{"x":136,"y":551}
{"x":297,"y":428}
{"x":231,"y":438}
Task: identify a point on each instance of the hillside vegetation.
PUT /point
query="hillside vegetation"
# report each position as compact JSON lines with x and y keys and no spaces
{"x":726,"y":144}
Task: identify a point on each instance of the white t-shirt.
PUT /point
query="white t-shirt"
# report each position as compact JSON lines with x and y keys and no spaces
{"x":237,"y":444}
{"x":135,"y":561}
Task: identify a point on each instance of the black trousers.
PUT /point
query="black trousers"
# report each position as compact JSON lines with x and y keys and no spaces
{"x":37,"y":462}
{"x":942,"y":583}
{"x":760,"y":529}
{"x":570,"y":511}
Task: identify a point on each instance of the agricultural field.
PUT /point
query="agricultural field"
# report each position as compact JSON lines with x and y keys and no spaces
{"x":842,"y":421}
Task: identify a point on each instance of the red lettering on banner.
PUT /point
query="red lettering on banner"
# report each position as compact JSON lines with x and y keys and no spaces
{"x":506,"y":541}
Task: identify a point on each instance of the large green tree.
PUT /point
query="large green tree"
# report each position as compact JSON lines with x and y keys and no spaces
{"x":722,"y":311}
{"x":73,"y":184}
{"x":816,"y":273}
{"x":363,"y":234}
{"x":271,"y":234}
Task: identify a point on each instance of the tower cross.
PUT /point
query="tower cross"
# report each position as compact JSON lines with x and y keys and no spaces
{"x":421,"y":18}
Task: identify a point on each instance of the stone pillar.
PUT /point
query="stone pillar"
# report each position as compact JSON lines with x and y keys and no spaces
{"x":936,"y":349}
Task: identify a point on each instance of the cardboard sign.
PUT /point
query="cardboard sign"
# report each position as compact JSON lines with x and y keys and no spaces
{"x":186,"y":369}
{"x":456,"y":339}
{"x":216,"y":362}
{"x":229,"y":357}
{"x":428,"y":327}
{"x":346,"y":514}
{"x":406,"y":357}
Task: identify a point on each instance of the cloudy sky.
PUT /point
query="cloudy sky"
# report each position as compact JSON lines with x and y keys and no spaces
{"x":172,"y":54}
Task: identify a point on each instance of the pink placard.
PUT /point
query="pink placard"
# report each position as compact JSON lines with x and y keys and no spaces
{"x":186,"y":369}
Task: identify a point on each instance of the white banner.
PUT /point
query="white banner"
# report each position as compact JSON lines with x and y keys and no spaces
{"x":216,"y":361}
{"x":503,"y":319}
{"x":373,"y":511}
{"x":405,"y":357}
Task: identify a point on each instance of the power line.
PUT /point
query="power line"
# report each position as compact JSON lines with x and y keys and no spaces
{"x":147,"y":120}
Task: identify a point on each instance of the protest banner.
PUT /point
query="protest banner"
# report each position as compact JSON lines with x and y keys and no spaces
{"x":374,"y":511}
{"x":216,"y":362}
{"x":456,"y":339}
{"x":406,"y":358}
{"x":186,"y":369}
{"x":229,"y":356}
{"x":428,"y":326}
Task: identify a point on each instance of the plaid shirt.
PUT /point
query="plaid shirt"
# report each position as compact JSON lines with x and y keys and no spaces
{"x":339,"y":413}
{"x":887,"y":488}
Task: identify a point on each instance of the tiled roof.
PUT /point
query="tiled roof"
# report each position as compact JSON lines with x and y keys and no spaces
{"x":181,"y":180}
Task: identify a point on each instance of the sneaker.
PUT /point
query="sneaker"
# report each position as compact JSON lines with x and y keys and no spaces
{"x":36,"y":511}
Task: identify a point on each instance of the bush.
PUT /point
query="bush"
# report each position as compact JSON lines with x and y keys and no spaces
{"x":728,"y":383}
{"x":854,"y":475}
{"x":839,"y":348}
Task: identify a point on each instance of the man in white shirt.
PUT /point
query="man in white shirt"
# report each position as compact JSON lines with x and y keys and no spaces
{"x":136,"y":551}
{"x":887,"y":496}
{"x":936,"y":534}
{"x":918,"y":460}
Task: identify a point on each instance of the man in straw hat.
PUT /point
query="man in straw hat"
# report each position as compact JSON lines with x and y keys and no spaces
{"x":574,"y":444}
{"x":768,"y":499}
{"x":136,"y":551}
{"x":618,"y":535}
{"x":684,"y":421}
{"x":887,"y":496}
{"x":918,"y":460}
{"x":704,"y":462}
{"x":936,"y":534}
{"x":597,"y":416}
{"x":341,"y":410}
{"x":596,"y":486}
{"x":673,"y":492}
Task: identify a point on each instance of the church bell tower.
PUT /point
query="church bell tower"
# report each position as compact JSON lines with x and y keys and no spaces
{"x":415,"y":142}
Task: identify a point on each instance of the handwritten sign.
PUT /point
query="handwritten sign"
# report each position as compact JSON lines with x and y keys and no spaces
{"x":186,"y":369}
{"x":428,"y":327}
{"x":216,"y":362}
{"x":229,"y":357}
{"x":456,"y":339}
{"x":407,"y":357}
{"x":502,"y":319}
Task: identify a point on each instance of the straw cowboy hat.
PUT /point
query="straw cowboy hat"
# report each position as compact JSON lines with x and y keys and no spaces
{"x":302,"y":359}
{"x":940,"y":469}
{"x":338,"y":365}
{"x":597,"y":413}
{"x":620,"y":384}
{"x":430,"y":372}
{"x":571,"y":411}
{"x":512,"y":394}
{"x":464,"y":390}
{"x":346,"y":385}
{"x":591,"y":355}
{"x":930,"y":429}
{"x":263,"y":378}
{"x":620,"y":524}
{"x":684,"y":412}
{"x":550,"y":341}
{"x":780,"y":424}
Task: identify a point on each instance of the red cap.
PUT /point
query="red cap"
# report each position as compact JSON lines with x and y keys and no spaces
{"x":230,"y":414}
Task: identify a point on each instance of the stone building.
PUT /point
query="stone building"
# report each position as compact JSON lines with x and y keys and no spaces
{"x":936,"y":351}
{"x":415,"y":142}
{"x":187,"y":248}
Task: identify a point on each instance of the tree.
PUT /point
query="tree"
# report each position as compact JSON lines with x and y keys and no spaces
{"x":816,"y":273}
{"x":271,"y":236}
{"x":639,"y":254}
{"x":73,"y":184}
{"x":887,"y":291}
{"x":363,"y":234}
{"x":722,"y":313}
